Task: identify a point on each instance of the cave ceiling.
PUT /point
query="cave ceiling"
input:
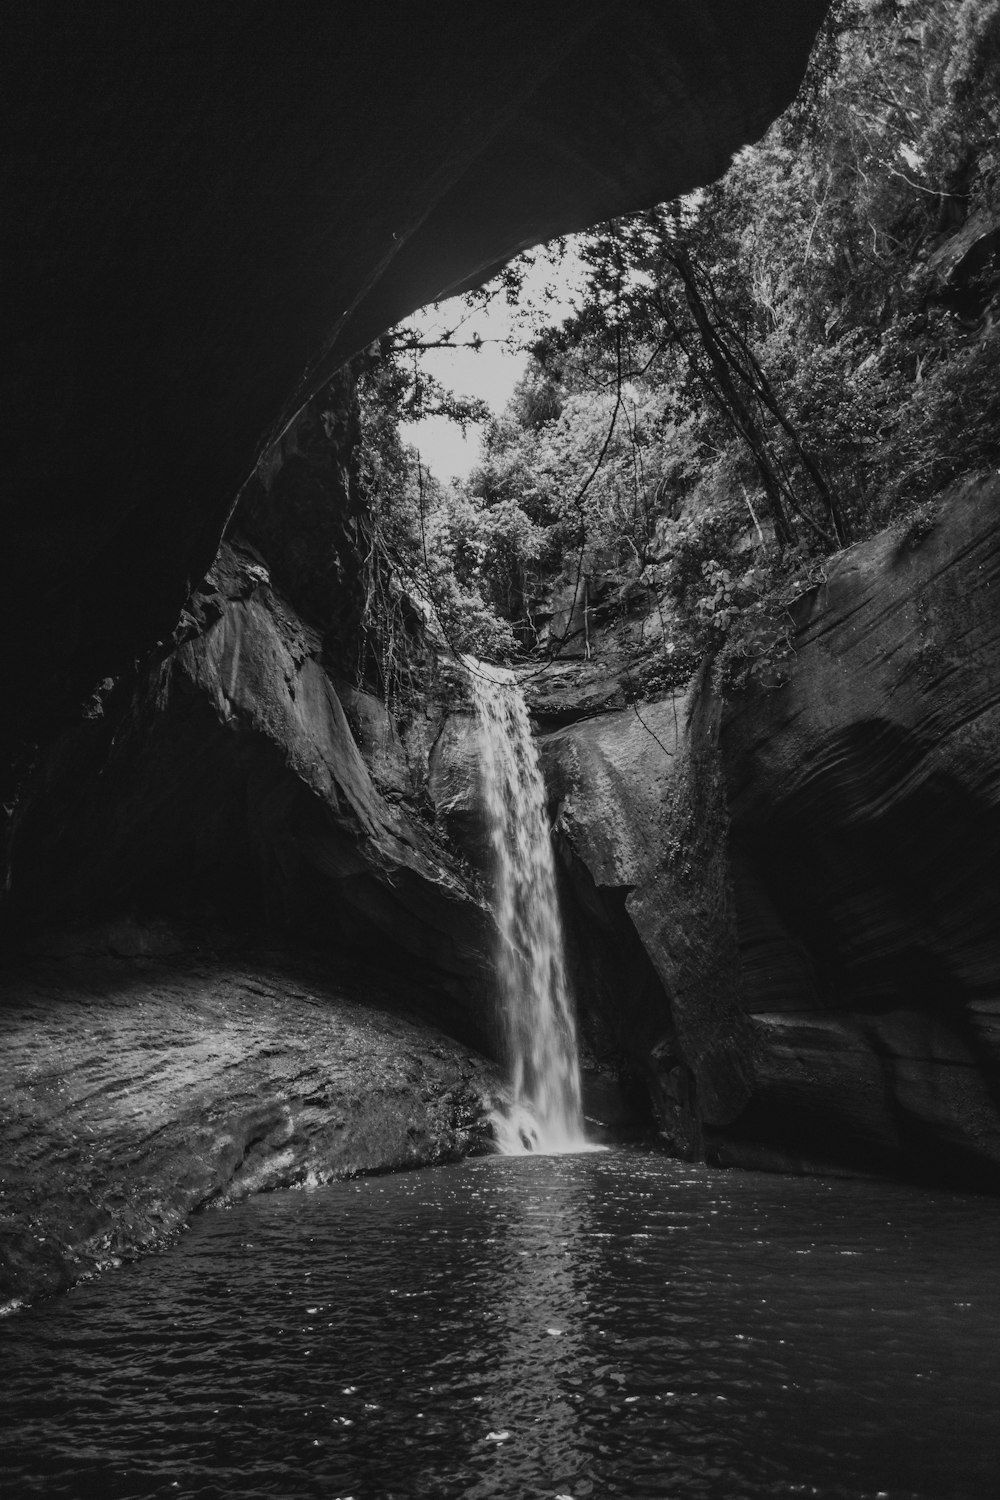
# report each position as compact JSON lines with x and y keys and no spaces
{"x":209,"y":208}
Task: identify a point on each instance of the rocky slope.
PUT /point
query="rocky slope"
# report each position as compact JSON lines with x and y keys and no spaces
{"x":139,"y":1086}
{"x":826,"y":979}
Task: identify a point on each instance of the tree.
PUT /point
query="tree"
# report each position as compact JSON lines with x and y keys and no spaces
{"x":758,"y":373}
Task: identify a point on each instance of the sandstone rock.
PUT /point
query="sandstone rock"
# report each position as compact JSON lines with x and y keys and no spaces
{"x":816,"y":989}
{"x":455,"y":788}
{"x":230,"y":788}
{"x":865,"y":806}
{"x":138,"y":1090}
{"x":379,"y":741}
{"x":566,"y":691}
{"x":640,"y":822}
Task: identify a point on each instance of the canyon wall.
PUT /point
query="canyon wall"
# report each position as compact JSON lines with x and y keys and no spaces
{"x":827,"y":971}
{"x":780,"y":910}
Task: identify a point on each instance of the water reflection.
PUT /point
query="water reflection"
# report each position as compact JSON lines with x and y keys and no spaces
{"x":580,"y":1326}
{"x":541,"y":1296}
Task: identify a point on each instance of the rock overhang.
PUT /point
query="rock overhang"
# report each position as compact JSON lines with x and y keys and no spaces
{"x":210,"y":209}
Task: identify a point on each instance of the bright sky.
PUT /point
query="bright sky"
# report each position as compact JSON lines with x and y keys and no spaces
{"x":492,"y":371}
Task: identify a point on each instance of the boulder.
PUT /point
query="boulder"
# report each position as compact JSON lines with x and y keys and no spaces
{"x":142,"y":1081}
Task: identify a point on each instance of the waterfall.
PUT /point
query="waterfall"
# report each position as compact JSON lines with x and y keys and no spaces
{"x":541,"y":1035}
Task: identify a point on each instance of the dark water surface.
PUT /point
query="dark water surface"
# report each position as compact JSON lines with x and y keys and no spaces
{"x":598,"y":1325}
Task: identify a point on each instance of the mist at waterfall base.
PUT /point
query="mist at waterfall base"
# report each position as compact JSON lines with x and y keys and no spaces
{"x":580,"y":1326}
{"x":546,"y":1113}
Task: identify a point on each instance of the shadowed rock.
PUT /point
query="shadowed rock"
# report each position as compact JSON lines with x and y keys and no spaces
{"x":865,"y":805}
{"x":230,"y":788}
{"x":138,"y":1088}
{"x":640,"y":824}
{"x":207,"y":212}
{"x":841,"y":962}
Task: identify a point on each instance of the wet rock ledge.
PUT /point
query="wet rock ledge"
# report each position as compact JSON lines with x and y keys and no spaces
{"x":137,"y":1089}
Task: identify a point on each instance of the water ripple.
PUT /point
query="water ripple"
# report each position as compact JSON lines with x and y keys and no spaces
{"x":613,"y":1325}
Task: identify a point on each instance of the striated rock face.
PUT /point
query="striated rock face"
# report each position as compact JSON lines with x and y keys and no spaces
{"x":237,"y":787}
{"x":822,"y":990}
{"x":454,"y":786}
{"x":240,"y":785}
{"x":231,"y":787}
{"x":206,"y":215}
{"x":640,"y":825}
{"x":137,"y":1089}
{"x":865,"y":806}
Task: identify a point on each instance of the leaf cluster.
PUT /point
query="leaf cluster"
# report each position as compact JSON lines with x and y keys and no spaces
{"x":755,"y":376}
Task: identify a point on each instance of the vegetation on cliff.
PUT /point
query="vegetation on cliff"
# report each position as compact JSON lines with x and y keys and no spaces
{"x":787,"y":362}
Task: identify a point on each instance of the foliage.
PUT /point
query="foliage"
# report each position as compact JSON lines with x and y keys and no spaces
{"x":426,"y":545}
{"x":756,"y":375}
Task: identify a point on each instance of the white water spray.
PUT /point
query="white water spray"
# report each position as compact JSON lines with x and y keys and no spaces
{"x":541,"y":1036}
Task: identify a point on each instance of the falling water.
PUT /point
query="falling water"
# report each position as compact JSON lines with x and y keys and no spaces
{"x":541,"y":1036}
